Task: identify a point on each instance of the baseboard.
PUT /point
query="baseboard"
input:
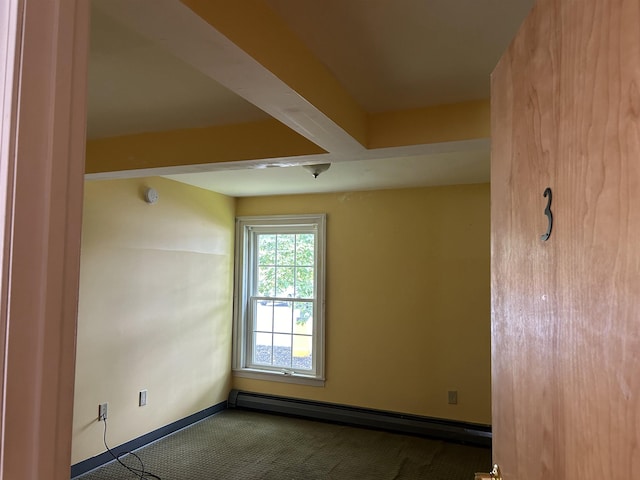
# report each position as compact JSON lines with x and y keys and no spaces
{"x":451,"y":430}
{"x":92,"y":463}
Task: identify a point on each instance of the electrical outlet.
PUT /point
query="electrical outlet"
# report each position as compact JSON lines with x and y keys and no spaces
{"x":453,"y":397}
{"x":142,"y":398}
{"x":102,"y":411}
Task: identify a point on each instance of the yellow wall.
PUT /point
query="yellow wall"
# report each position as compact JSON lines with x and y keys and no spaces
{"x":155,"y":308}
{"x":407,"y":303}
{"x":407,"y":315}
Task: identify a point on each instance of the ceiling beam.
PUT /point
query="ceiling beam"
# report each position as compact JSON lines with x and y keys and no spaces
{"x":246,"y":47}
{"x":259,"y":32}
{"x":284,"y":79}
{"x":255,"y":145}
{"x":436,"y":124}
{"x":439,"y":129}
{"x":265,"y":140}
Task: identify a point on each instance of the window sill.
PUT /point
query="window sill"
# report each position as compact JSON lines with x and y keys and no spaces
{"x":278,"y":377}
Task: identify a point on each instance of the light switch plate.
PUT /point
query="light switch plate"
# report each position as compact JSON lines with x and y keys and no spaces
{"x":142,"y":398}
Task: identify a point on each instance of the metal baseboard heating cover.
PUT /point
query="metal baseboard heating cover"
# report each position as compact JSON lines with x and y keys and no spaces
{"x":451,"y":430}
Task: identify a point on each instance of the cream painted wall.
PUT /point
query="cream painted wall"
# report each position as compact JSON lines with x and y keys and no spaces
{"x":408,"y":313}
{"x":155,"y":308}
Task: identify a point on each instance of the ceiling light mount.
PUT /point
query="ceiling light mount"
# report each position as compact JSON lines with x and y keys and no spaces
{"x":317,"y":168}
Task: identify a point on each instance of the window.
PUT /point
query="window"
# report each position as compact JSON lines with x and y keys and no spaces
{"x":279,"y":298}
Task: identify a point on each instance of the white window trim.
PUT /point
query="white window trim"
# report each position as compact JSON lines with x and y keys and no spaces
{"x":244,"y":226}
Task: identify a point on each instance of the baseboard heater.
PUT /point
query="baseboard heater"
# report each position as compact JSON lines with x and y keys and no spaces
{"x":471,"y":433}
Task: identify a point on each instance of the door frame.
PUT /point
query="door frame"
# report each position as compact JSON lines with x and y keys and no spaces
{"x":43,"y":85}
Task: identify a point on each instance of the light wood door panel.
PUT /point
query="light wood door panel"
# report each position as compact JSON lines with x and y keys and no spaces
{"x":566,"y":312}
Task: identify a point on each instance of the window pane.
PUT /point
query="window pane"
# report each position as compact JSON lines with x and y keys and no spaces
{"x":282,"y":350}
{"x":286,"y":250}
{"x":304,"y":249}
{"x":264,"y":316}
{"x":266,"y":249}
{"x":283,"y":317}
{"x":262,"y":348}
{"x":304,"y":282}
{"x":302,"y":346}
{"x":303,"y":316}
{"x":266,"y":281}
{"x":284,"y":281}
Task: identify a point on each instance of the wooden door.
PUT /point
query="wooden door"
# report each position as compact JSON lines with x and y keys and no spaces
{"x":566,"y":312}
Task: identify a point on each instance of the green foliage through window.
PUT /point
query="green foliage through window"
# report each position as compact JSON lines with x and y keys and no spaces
{"x":286,"y":267}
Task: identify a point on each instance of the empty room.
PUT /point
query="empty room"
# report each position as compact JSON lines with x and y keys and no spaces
{"x":372,"y":118}
{"x":287,"y":227}
{"x":277,"y":239}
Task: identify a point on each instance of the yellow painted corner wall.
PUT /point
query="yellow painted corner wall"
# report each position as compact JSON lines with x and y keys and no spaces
{"x":408,"y":299}
{"x":154,"y":309}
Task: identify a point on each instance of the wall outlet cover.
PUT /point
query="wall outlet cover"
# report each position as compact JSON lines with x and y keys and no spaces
{"x":102,"y":411}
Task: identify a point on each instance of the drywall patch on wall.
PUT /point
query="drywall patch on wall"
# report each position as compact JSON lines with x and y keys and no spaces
{"x":407,"y":303}
{"x":155,"y":307}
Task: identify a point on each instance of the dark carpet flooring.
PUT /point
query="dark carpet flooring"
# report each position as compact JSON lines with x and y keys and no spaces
{"x":242,"y":445}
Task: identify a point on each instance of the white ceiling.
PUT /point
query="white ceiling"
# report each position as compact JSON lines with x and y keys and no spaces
{"x":136,"y":86}
{"x":402,"y":54}
{"x":388,"y":54}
